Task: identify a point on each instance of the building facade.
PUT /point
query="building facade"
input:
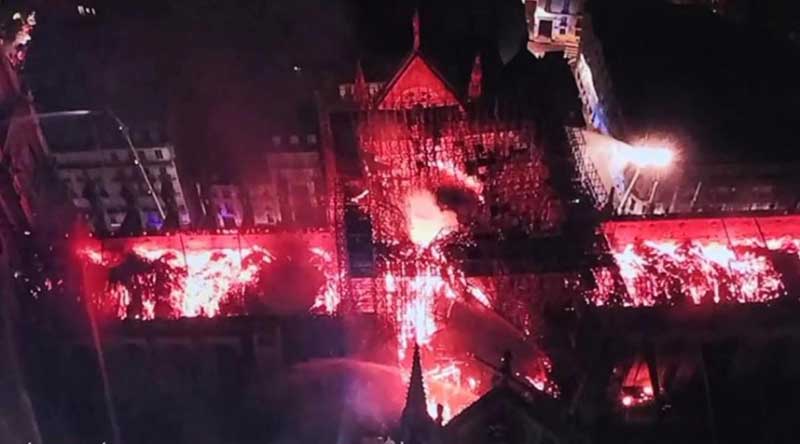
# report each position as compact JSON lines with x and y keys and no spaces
{"x":107,"y":182}
{"x":554,"y":25}
{"x":285,"y":188}
{"x":291,"y":191}
{"x":595,"y":86}
{"x":226,"y":205}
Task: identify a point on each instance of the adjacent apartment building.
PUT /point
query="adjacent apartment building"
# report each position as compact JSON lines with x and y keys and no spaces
{"x":107,"y":182}
{"x":554,"y":25}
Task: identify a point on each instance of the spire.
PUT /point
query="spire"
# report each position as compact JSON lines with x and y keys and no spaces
{"x":416,"y":426}
{"x":415,"y":24}
{"x":476,"y":79}
{"x":415,"y":399}
{"x":360,"y":90}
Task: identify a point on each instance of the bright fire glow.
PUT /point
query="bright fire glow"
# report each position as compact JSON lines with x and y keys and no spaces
{"x":328,"y":299}
{"x":448,"y":375}
{"x":210,"y":277}
{"x":426,"y":221}
{"x":151,"y":281}
{"x":427,"y":193}
{"x":642,"y":156}
{"x":420,"y":286}
{"x":637,"y":387}
{"x":460,"y":177}
{"x":667,"y":272}
{"x":418,"y":299}
{"x":422,"y":196}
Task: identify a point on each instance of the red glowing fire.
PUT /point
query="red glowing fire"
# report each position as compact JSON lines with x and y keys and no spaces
{"x":669,"y":271}
{"x":426,"y":189}
{"x":151,"y":280}
{"x":422,"y":194}
{"x":426,"y":221}
{"x":637,"y":387}
{"x":711,"y":268}
{"x":420,"y":287}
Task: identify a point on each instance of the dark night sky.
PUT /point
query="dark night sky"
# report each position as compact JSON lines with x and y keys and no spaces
{"x":221,"y":73}
{"x":724,"y":90}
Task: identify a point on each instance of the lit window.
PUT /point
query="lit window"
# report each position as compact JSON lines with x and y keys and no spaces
{"x":311,"y":139}
{"x":276,"y":140}
{"x":294,"y":140}
{"x":81,"y":10}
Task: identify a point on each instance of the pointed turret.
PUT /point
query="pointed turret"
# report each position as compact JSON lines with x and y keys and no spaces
{"x":415,"y":24}
{"x":476,"y":80}
{"x":416,"y":405}
{"x":439,"y":415}
{"x":360,"y":89}
{"x":416,"y":426}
